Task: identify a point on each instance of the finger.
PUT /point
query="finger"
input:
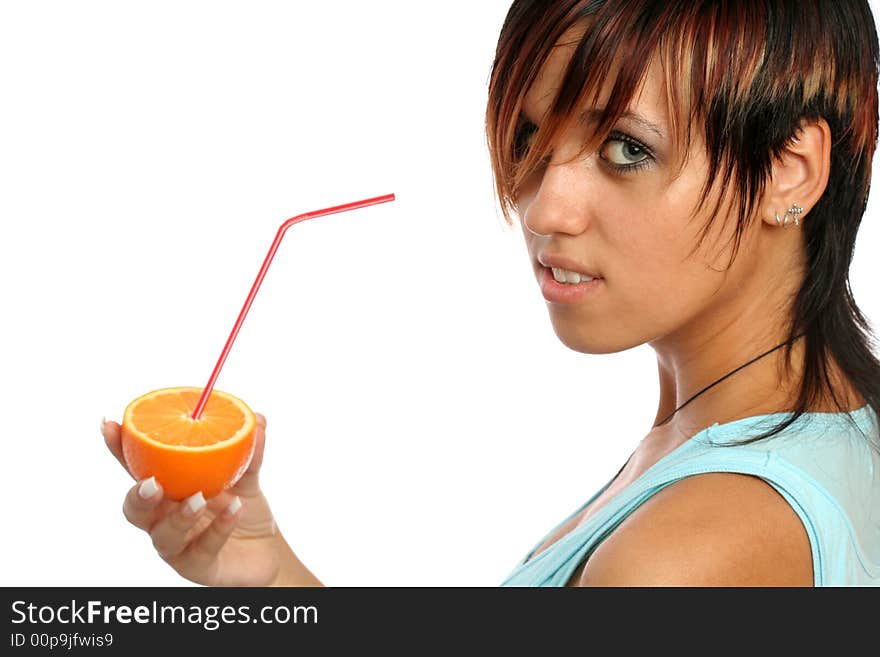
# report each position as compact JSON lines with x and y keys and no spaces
{"x":204,"y":548}
{"x":259,"y":443}
{"x":220,"y":501}
{"x":113,"y":440}
{"x":143,"y":503}
{"x":169,"y":534}
{"x":249,"y":485}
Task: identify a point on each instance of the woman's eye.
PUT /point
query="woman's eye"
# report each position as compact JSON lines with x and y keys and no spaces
{"x":522,"y":138}
{"x":624,"y":153}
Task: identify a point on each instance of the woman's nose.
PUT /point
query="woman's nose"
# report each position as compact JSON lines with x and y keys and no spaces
{"x":560,"y":205}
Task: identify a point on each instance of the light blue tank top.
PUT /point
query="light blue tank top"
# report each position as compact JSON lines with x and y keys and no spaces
{"x":825,"y":468}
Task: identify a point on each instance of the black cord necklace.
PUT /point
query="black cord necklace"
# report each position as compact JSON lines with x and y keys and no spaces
{"x":664,"y":420}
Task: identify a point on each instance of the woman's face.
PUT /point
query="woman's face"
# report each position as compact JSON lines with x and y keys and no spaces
{"x":618,"y":212}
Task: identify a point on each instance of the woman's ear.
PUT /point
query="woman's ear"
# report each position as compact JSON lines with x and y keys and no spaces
{"x":800,"y":175}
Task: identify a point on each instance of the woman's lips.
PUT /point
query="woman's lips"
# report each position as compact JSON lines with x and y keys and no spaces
{"x":567,"y":293}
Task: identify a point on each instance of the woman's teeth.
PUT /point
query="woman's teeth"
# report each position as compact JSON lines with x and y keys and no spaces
{"x":572,"y":277}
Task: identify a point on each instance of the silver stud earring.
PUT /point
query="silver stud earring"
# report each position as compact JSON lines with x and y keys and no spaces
{"x":795,"y":211}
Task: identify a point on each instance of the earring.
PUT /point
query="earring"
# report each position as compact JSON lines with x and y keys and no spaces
{"x":795,"y":211}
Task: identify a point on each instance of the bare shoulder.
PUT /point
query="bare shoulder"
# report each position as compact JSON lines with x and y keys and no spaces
{"x":713,"y":529}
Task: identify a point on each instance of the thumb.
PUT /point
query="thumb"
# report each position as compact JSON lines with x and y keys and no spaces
{"x":259,"y":444}
{"x":249,"y":482}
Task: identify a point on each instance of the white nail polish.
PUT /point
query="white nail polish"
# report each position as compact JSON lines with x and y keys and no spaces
{"x":234,"y":506}
{"x":194,"y":503}
{"x":148,"y":488}
{"x":103,"y":420}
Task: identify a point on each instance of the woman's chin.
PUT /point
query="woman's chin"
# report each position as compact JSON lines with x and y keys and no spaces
{"x":581,"y":339}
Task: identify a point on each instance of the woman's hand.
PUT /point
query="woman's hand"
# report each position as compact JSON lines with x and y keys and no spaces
{"x":228,"y":540}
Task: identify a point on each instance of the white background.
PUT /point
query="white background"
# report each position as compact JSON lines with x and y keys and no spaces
{"x":425,"y":425}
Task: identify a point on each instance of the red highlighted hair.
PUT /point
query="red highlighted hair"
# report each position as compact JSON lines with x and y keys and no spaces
{"x":746,"y":74}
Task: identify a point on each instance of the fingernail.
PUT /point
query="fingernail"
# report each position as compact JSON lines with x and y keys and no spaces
{"x":148,"y":488}
{"x":194,"y":503}
{"x":234,"y":506}
{"x":103,"y":420}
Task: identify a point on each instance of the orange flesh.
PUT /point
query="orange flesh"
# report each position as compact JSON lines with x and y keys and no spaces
{"x":166,"y":419}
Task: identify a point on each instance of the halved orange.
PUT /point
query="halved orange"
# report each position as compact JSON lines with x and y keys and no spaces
{"x":159,"y":438}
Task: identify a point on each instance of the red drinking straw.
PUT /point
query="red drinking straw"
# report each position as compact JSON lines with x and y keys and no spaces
{"x":256,"y":286}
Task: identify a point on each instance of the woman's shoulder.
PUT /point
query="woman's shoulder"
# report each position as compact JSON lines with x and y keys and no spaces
{"x":825,"y":461}
{"x":708,"y":529}
{"x":797,"y":508}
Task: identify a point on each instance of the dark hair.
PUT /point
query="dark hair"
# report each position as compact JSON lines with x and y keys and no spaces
{"x":749,"y":72}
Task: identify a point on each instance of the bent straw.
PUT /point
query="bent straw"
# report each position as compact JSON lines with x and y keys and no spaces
{"x":196,"y":414}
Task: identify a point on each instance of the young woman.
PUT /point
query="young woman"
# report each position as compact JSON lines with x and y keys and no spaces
{"x":689,"y":174}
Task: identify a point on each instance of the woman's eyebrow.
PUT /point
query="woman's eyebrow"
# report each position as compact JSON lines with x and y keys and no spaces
{"x":593,"y":115}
